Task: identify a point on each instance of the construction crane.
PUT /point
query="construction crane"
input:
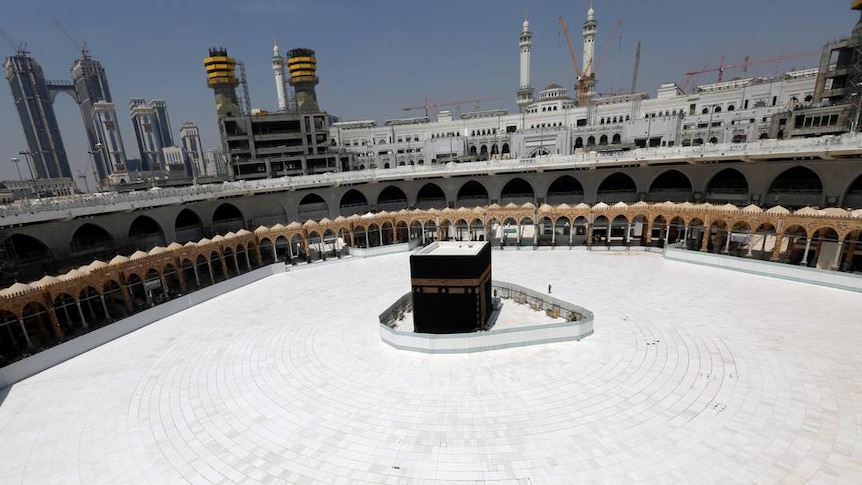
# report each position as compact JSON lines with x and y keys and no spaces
{"x":615,"y":33}
{"x":580,"y":79}
{"x":81,"y":46}
{"x":744,"y":65}
{"x":637,"y":66}
{"x":429,"y":104}
{"x":243,"y":81}
{"x":20,"y":47}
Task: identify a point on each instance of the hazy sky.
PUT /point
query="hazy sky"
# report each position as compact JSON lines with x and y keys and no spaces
{"x":377,"y":56}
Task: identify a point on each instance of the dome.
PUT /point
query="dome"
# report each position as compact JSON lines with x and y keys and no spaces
{"x":157,"y":250}
{"x":778,"y":210}
{"x":118,"y":260}
{"x":72,"y":275}
{"x":243,"y":232}
{"x":601,"y":206}
{"x":174,"y":246}
{"x":261,"y":229}
{"x":16,"y":288}
{"x":834,"y":212}
{"x":97,"y":265}
{"x":45,"y":281}
{"x":137,"y":255}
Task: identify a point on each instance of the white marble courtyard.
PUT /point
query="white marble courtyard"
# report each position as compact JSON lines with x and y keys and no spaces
{"x":693,"y":375}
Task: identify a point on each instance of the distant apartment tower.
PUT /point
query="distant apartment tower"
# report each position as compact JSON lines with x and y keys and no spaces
{"x":176,"y":162}
{"x":191,"y":143}
{"x":97,"y":109}
{"x":110,"y":149}
{"x":34,"y":103}
{"x":216,"y":161}
{"x":148,"y":134}
{"x":160,"y":107}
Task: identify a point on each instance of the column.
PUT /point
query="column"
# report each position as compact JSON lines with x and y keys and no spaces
{"x":776,"y":251}
{"x":24,"y":331}
{"x":554,"y":235}
{"x":104,"y":306}
{"x":571,"y":232}
{"x":275,"y":253}
{"x":666,"y":233}
{"x":648,"y":234}
{"x":55,"y":324}
{"x":212,"y":275}
{"x":685,"y":237}
{"x":836,"y":263}
{"x":81,"y":314}
{"x":707,"y":235}
{"x":197,"y":277}
{"x":628,"y":235}
{"x":727,"y":243}
{"x":289,"y":250}
{"x":380,"y":232}
{"x":804,"y":261}
{"x":763,"y":245}
{"x":247,"y":261}
{"x":749,"y":254}
{"x":236,"y":263}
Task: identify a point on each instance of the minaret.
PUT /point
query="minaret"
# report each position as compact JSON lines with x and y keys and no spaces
{"x":278,"y":69}
{"x":590,"y":29}
{"x":525,"y":91}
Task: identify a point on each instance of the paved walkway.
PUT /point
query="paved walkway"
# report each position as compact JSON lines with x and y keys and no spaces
{"x":693,"y":375}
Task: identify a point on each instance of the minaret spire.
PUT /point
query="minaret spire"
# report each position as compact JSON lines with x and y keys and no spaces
{"x":278,"y":71}
{"x":590,"y":29}
{"x":525,"y":91}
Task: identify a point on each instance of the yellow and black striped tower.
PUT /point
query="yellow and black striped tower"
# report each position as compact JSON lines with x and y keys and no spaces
{"x":303,"y":77}
{"x":221,"y":77}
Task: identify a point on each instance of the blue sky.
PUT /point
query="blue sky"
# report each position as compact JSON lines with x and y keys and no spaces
{"x":377,"y":56}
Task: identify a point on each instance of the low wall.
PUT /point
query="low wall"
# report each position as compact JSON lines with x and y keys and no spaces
{"x":48,"y":358}
{"x":388,"y":249}
{"x":802,"y":274}
{"x":581,"y":326}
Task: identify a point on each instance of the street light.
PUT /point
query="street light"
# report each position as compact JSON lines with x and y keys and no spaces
{"x":27,"y":155}
{"x":98,"y":147}
{"x":15,"y":160}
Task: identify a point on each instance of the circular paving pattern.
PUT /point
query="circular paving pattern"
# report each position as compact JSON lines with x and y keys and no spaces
{"x":693,"y":375}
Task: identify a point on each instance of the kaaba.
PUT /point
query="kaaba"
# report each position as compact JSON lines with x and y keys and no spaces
{"x":451,"y":284}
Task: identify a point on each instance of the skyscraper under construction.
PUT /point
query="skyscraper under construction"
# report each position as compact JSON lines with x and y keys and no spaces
{"x":33,"y":100}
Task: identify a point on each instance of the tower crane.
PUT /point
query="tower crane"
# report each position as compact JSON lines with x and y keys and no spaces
{"x":637,"y":66}
{"x":429,"y":104}
{"x":20,"y":47}
{"x":744,"y":65}
{"x":580,"y":79}
{"x":615,"y":33}
{"x":81,"y":46}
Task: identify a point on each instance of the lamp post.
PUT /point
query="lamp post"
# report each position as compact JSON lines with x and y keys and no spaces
{"x":15,"y":160}
{"x":98,"y":147}
{"x":27,"y":155}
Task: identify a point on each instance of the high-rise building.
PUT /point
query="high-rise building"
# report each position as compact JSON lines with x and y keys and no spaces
{"x":176,"y":162}
{"x":34,"y":102}
{"x":147,"y":132}
{"x":160,"y":107}
{"x":91,"y":88}
{"x":191,"y":143}
{"x":109,"y":144}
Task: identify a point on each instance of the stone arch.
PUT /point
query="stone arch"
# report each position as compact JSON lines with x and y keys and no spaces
{"x":205,"y":272}
{"x":728,"y":186}
{"x":517,"y":191}
{"x":402,"y":233}
{"x":137,"y":292}
{"x":90,"y":242}
{"x":565,"y":189}
{"x":472,"y":193}
{"x":69,"y":317}
{"x":579,"y":143}
{"x":37,"y":323}
{"x":188,"y":226}
{"x":30,"y":257}
{"x":430,"y":196}
{"x":796,"y":188}
{"x":173,"y":281}
{"x":853,"y":195}
{"x":95,"y":313}
{"x":617,"y":187}
{"x":15,"y":343}
{"x":391,"y":199}
{"x":226,"y":218}
{"x":115,"y":300}
{"x":671,"y":185}
{"x":217,"y":265}
{"x":353,"y":202}
{"x":375,"y":235}
{"x":145,"y":233}
{"x":312,"y":207}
